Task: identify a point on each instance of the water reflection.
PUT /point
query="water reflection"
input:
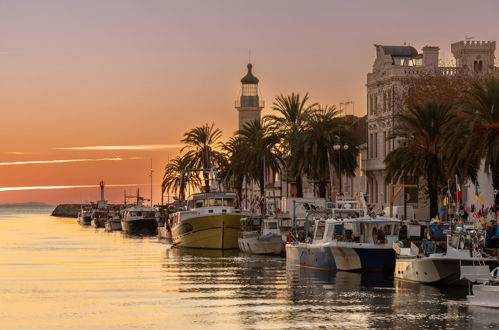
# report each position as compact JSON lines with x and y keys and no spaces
{"x":57,"y":274}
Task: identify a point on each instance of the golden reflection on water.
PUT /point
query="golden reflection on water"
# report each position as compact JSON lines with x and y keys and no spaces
{"x":57,"y":274}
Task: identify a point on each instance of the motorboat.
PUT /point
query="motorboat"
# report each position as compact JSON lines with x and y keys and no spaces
{"x":85,"y":216}
{"x":485,"y":291}
{"x":432,"y":266}
{"x":268,"y":240}
{"x":210,"y":221}
{"x":351,"y":240}
{"x":99,"y":218}
{"x":113,"y":222}
{"x":140,"y":220}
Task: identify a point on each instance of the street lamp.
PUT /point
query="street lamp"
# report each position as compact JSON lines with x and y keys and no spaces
{"x":338,"y":147}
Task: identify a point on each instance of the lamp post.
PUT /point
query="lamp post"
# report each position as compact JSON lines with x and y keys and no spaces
{"x":338,"y":147}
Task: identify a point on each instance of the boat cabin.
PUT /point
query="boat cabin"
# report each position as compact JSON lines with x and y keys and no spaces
{"x":357,"y":230}
{"x":270,"y":226}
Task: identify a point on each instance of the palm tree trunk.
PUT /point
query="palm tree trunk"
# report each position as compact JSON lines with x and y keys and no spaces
{"x":322,"y":189}
{"x":299,"y":185}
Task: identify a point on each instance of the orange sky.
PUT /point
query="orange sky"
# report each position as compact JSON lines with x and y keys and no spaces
{"x":125,"y":73}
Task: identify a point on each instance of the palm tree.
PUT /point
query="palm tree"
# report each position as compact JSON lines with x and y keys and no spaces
{"x":233,"y":169}
{"x":260,"y":153}
{"x":421,"y":130}
{"x":323,"y":130}
{"x":178,"y":176}
{"x":201,"y":143}
{"x":292,"y":112}
{"x":477,"y":131}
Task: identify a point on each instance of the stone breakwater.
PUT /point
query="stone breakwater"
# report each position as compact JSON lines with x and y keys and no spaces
{"x":67,"y":210}
{"x":71,"y":210}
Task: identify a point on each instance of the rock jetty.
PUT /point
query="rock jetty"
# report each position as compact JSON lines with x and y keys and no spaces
{"x":67,"y":210}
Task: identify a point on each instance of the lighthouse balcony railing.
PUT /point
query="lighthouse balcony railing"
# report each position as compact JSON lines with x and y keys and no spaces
{"x":249,"y":103}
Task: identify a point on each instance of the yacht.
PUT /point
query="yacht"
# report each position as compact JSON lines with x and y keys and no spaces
{"x":351,"y":240}
{"x":442,"y":267}
{"x":210,"y":221}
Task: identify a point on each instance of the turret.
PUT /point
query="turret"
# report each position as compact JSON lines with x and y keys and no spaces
{"x":249,"y":105}
{"x":474,"y":56}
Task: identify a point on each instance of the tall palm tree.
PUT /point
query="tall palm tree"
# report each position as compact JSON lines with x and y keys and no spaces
{"x":292,"y":112}
{"x":261,"y":154}
{"x":422,"y":130}
{"x":233,"y":169}
{"x":178,"y":177}
{"x":476,"y":132}
{"x":201,"y":145}
{"x":323,"y":130}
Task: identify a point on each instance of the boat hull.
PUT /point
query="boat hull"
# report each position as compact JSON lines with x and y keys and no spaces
{"x":113,"y":225}
{"x":85,"y":220}
{"x":219,"y":231}
{"x":429,"y":270}
{"x":262,"y":244}
{"x":344,"y":258}
{"x":485,"y":296}
{"x":99,"y":222}
{"x":140,"y":227}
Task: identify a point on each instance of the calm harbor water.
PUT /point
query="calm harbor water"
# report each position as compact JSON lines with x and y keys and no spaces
{"x":56,"y":274}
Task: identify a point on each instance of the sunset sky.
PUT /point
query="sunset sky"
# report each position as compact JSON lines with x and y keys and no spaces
{"x":93,"y":90}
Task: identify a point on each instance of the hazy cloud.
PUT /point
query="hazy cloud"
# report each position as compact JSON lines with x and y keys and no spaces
{"x":128,"y":147}
{"x":30,"y":162}
{"x":67,"y":187}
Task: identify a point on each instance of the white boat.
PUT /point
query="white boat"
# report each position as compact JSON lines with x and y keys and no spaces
{"x":486,"y":292}
{"x":268,"y":241}
{"x":113,"y":222}
{"x":139,"y":220}
{"x":348,"y":241}
{"x":85,"y":217}
{"x":99,"y":218}
{"x":211,"y":221}
{"x":434,"y":267}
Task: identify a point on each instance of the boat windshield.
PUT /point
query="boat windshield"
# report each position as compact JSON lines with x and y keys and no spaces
{"x":210,"y":202}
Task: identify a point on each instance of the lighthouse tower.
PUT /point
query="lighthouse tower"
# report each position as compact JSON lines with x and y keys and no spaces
{"x":249,"y":105}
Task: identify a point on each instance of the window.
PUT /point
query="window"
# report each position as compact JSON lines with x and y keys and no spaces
{"x":228,"y":202}
{"x":375,"y":145}
{"x":199,"y":203}
{"x":319,"y":233}
{"x":375,"y":191}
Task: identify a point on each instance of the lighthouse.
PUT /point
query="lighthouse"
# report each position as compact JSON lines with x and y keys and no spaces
{"x":249,"y":105}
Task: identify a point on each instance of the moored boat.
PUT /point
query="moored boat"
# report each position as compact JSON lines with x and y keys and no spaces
{"x":113,"y":222}
{"x":267,"y":241}
{"x":442,"y":267}
{"x":139,"y":220}
{"x":348,"y":241}
{"x":211,"y":221}
{"x":486,"y":292}
{"x":85,"y":217}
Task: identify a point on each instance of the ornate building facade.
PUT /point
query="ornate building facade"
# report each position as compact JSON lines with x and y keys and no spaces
{"x":393,"y":65}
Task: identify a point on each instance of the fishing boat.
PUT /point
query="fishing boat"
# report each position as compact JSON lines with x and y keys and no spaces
{"x":113,"y":222}
{"x":210,"y":221}
{"x":442,"y":267}
{"x":140,"y":220}
{"x":99,"y":218}
{"x":485,"y":292}
{"x":351,"y":240}
{"x":267,"y":241}
{"x":85,"y":216}
{"x":100,"y":214}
